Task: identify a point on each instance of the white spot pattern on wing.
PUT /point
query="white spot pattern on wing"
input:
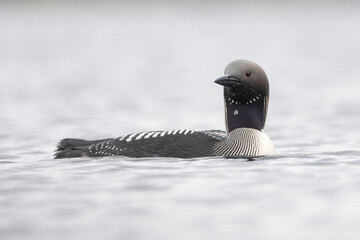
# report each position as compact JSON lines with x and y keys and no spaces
{"x":130,"y":137}
{"x":117,"y":146}
{"x":156,"y":134}
{"x":152,"y":134}
{"x":140,"y":135}
{"x":148,"y":134}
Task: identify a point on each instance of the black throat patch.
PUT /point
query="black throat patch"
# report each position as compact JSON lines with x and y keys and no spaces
{"x":249,"y":113}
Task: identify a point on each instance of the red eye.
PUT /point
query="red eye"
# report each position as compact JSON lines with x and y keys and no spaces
{"x":248,"y":74}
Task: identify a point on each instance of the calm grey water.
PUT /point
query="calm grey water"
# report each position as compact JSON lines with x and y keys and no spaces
{"x":103,"y":70}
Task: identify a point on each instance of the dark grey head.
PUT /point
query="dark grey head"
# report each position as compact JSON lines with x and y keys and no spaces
{"x":246,"y":95}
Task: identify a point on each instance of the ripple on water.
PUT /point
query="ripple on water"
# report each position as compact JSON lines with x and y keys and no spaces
{"x":343,"y":153}
{"x":9,"y":156}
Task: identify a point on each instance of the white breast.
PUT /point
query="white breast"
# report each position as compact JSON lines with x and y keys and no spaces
{"x":245,"y":142}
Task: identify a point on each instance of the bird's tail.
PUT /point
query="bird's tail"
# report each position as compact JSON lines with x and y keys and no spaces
{"x":72,"y":148}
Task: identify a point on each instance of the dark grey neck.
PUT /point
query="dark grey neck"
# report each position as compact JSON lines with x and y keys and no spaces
{"x":246,"y":115}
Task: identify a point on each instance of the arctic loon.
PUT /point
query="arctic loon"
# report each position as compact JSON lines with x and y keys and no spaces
{"x":246,"y":97}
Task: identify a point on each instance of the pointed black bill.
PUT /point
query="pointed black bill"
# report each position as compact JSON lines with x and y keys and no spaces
{"x":228,"y":81}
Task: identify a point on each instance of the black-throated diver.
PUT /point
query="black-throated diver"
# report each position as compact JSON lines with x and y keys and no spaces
{"x":246,"y":96}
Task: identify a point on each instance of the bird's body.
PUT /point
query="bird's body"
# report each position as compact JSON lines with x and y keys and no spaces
{"x":176,"y":143}
{"x":246,"y":95}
